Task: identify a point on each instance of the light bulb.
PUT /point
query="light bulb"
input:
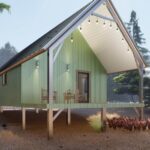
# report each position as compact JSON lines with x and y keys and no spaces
{"x":104,"y":23}
{"x":97,"y":21}
{"x":71,"y":39}
{"x":110,"y":25}
{"x":80,"y":28}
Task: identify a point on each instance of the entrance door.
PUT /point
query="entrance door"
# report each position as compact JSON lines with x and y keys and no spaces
{"x":83,"y":87}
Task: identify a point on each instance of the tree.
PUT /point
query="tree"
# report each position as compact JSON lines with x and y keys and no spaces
{"x":128,"y":82}
{"x":6,"y":53}
{"x":3,"y":7}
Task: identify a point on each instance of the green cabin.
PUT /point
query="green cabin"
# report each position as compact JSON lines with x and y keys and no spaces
{"x":68,"y":66}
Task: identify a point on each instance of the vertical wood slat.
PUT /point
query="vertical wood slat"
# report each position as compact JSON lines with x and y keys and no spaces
{"x":23,"y":118}
{"x":80,"y":57}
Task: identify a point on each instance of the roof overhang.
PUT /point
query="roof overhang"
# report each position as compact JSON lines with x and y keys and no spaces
{"x":110,"y":41}
{"x":114,"y":54}
{"x":115,"y":49}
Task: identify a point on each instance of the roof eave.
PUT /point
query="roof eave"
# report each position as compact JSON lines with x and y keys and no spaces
{"x":125,"y":32}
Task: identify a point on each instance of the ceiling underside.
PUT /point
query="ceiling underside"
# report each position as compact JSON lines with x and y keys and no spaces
{"x":107,"y":42}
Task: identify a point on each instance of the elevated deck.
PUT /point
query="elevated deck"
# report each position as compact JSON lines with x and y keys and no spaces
{"x":95,"y":105}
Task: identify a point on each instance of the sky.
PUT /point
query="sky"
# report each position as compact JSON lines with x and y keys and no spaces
{"x":30,"y":19}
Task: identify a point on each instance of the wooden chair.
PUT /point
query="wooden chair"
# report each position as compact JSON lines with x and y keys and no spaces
{"x":68,"y":96}
{"x":44,"y":95}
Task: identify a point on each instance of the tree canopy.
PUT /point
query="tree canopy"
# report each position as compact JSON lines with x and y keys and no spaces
{"x":3,"y":7}
{"x":128,"y":82}
{"x":7,"y":52}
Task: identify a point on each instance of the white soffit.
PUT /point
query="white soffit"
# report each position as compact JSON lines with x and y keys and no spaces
{"x":108,"y":43}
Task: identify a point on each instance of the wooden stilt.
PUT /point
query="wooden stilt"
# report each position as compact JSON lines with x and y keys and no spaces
{"x":69,"y":116}
{"x":141,"y":92}
{"x":141,"y":112}
{"x":103,"y":119}
{"x":23,"y":118}
{"x":37,"y":110}
{"x":50,"y":123}
{"x":1,"y":109}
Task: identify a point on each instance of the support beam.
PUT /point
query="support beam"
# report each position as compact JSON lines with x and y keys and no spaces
{"x":37,"y":110}
{"x":57,"y":52}
{"x":136,"y":111}
{"x":141,"y":92}
{"x":50,"y":123}
{"x":102,"y":17}
{"x":103,"y":119}
{"x":1,"y":109}
{"x":57,"y":114}
{"x":50,"y":93}
{"x":69,"y":116}
{"x":50,"y":76}
{"x":23,"y":118}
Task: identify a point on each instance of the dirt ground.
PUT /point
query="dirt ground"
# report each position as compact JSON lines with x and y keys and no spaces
{"x":78,"y":136}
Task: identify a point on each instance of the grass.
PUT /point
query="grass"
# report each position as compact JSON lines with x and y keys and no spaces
{"x":95,"y":121}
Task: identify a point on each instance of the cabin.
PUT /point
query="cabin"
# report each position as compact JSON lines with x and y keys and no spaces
{"x":67,"y":68}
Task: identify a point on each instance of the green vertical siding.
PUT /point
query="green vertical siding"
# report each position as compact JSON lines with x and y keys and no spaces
{"x":80,"y":57}
{"x":34,"y":80}
{"x":10,"y":94}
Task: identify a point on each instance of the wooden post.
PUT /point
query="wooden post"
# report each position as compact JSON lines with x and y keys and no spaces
{"x":50,"y":122}
{"x":37,"y":110}
{"x":50,"y":94}
{"x":23,"y":118}
{"x":141,"y":92}
{"x":103,"y":119}
{"x":1,"y":109}
{"x":69,"y":116}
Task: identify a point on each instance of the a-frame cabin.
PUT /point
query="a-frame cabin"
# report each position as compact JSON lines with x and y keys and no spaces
{"x":67,"y":67}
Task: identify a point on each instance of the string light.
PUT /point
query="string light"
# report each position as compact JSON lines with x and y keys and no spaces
{"x":80,"y":28}
{"x":128,"y":49}
{"x":104,"y":23}
{"x":89,"y":21}
{"x":110,"y":25}
{"x":71,"y":39}
{"x":97,"y":21}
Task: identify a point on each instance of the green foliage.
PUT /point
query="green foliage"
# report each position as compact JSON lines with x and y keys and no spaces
{"x":135,"y":29}
{"x":6,"y":53}
{"x":128,"y":82}
{"x":4,"y":6}
{"x":95,"y":122}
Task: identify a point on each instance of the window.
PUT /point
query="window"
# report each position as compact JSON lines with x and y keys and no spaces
{"x":4,"y":79}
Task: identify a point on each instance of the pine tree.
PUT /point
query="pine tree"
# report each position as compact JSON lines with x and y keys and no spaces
{"x":128,"y":82}
{"x":3,"y":7}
